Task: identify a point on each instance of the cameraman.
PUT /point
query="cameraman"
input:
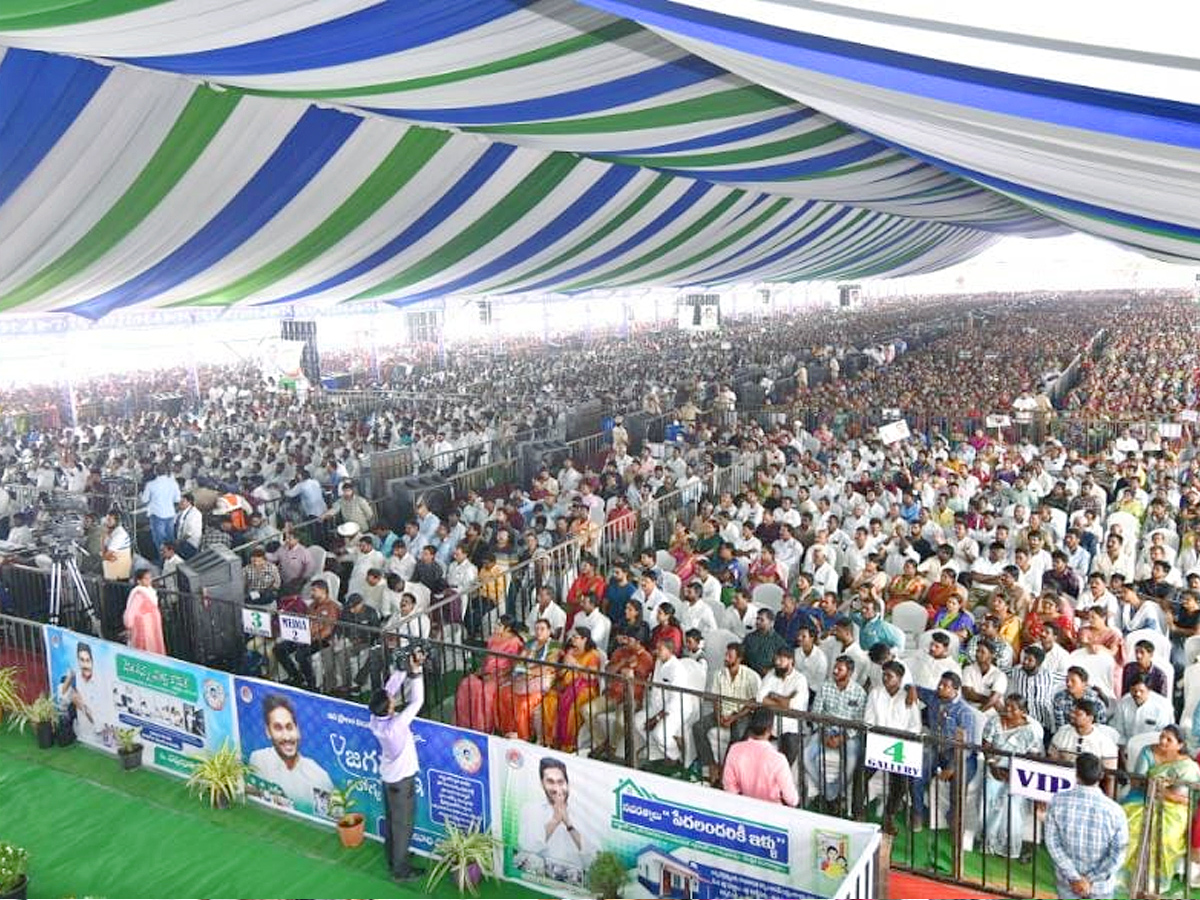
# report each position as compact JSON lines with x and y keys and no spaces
{"x":398,"y":765}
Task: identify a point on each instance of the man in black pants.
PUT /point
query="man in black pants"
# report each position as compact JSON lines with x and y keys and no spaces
{"x":399,"y":764}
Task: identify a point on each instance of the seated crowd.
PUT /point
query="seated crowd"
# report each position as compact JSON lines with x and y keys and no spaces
{"x":1019,"y":595}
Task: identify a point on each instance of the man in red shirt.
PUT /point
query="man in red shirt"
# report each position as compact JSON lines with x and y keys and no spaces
{"x":586,"y":582}
{"x":754,"y":768}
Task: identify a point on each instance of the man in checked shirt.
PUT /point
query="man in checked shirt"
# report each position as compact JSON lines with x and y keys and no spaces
{"x":1087,"y":834}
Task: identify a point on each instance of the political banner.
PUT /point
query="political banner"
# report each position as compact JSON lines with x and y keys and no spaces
{"x":675,"y":840}
{"x":303,"y":747}
{"x":182,"y":711}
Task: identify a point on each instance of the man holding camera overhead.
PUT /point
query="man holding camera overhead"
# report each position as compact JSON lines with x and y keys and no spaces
{"x":398,"y":762}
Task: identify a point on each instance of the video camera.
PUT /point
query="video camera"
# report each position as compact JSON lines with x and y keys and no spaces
{"x":403,"y":654}
{"x":61,"y":529}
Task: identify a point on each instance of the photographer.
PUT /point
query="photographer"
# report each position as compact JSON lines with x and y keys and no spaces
{"x":398,"y":764}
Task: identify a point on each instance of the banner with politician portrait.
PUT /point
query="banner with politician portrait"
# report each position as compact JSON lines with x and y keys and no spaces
{"x":181,"y":711}
{"x":559,"y":812}
{"x":303,"y":747}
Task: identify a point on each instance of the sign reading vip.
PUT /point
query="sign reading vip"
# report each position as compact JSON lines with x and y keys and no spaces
{"x":560,"y":811}
{"x":303,"y":747}
{"x":1037,"y":780}
{"x":182,"y":711}
{"x":896,"y":755}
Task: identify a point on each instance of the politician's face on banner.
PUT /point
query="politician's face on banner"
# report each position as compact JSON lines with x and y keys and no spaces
{"x":556,"y":786}
{"x":284,"y":733}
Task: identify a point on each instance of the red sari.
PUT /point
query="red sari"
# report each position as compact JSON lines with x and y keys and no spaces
{"x":475,"y":699}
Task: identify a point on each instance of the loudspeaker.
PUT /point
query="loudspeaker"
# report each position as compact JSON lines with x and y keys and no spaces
{"x":209,"y":619}
{"x":300,"y":330}
{"x":536,"y":455}
{"x":642,"y":426}
{"x":171,"y":404}
{"x":404,"y":493}
{"x":585,"y":419}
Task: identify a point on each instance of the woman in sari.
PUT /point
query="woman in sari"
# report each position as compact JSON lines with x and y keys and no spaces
{"x":1046,"y":609}
{"x":1013,"y":731}
{"x":573,"y":690}
{"x":677,"y":546}
{"x":685,"y":562}
{"x":953,"y":618}
{"x":765,"y":570}
{"x":475,"y":699}
{"x":143,"y":621}
{"x":1167,"y":760}
{"x":522,"y":697}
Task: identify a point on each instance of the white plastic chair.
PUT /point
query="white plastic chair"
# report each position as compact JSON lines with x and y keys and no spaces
{"x":672,"y":586}
{"x":317,"y":554}
{"x":664,"y":561}
{"x":1100,"y":668}
{"x":911,"y":618}
{"x":1162,"y":644}
{"x":768,"y":596}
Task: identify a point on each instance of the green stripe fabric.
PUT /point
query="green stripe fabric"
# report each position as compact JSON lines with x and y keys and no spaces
{"x":695,"y":228}
{"x":718,"y":105}
{"x":772,"y":150}
{"x":655,"y":188}
{"x":410,"y":155}
{"x":617,"y":30}
{"x":30,"y":14}
{"x":203,"y":116}
{"x":531,"y":191}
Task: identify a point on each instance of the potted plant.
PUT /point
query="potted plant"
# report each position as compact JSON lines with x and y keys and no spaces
{"x":219,"y":776}
{"x":129,"y":749}
{"x":14,"y":880}
{"x":351,"y":826}
{"x":470,"y":854}
{"x":41,"y":714}
{"x":10,"y":690}
{"x":606,"y":875}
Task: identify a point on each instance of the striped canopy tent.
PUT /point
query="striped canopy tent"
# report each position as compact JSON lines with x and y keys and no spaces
{"x":217,"y":152}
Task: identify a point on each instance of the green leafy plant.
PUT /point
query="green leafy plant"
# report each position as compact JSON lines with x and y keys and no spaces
{"x":10,"y":689}
{"x":42,"y":710}
{"x":342,"y":802}
{"x":14,"y":866}
{"x":127,"y":739}
{"x":606,"y":875}
{"x":220,"y":776}
{"x":461,"y":851}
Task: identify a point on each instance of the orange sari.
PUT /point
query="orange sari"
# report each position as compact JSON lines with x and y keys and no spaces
{"x":571,"y":693}
{"x":522,"y":696}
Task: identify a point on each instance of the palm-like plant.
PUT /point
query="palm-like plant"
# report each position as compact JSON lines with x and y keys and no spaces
{"x":470,"y":854}
{"x":220,"y":776}
{"x":40,"y":711}
{"x":10,"y":689}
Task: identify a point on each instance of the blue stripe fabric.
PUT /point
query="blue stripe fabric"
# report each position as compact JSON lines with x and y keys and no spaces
{"x":1067,"y":105}
{"x":33,"y":120}
{"x":799,"y":168}
{"x":310,"y":144}
{"x":597,"y":98}
{"x":385,"y":28}
{"x":774,"y":232}
{"x":789,"y":248}
{"x":718,"y":138}
{"x":581,"y":209}
{"x":690,"y":197}
{"x":449,"y":203}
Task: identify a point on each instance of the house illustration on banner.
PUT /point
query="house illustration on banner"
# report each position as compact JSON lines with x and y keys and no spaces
{"x":668,"y":877}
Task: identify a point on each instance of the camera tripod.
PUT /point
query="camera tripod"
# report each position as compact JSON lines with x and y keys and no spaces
{"x":65,"y":580}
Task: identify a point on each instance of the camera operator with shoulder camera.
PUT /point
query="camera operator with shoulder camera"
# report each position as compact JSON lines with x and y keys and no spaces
{"x":399,"y":763}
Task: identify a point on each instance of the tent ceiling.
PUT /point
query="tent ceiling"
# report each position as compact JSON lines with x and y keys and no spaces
{"x":209,"y":152}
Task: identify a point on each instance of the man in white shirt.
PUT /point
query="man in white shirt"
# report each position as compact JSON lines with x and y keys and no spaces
{"x":710,"y":587}
{"x":189,"y":527}
{"x":788,"y":551}
{"x":553,"y":835}
{"x":595,"y":621}
{"x":929,"y":667}
{"x":1141,"y":710}
{"x":660,"y":724}
{"x":785,"y":688}
{"x":984,"y":685}
{"x":304,"y":783}
{"x":811,"y":660}
{"x":362,"y":558}
{"x":1081,"y":735}
{"x":404,"y":563}
{"x":745,"y":608}
{"x":890,"y":706}
{"x":649,"y":595}
{"x":824,"y":578}
{"x":546,"y":608}
{"x":694,"y":612}
{"x":160,"y":495}
{"x":90,"y":697}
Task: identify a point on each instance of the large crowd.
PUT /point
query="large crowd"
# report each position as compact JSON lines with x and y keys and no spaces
{"x":1040,"y":599}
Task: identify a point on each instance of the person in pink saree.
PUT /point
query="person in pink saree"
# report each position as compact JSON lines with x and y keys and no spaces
{"x":475,"y":699}
{"x":143,"y":621}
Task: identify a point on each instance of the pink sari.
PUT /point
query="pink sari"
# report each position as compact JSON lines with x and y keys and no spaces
{"x":475,"y":699}
{"x":143,"y":621}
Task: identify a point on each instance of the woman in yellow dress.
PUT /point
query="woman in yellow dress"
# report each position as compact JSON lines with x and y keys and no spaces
{"x":572,"y":691}
{"x":1166,"y":760}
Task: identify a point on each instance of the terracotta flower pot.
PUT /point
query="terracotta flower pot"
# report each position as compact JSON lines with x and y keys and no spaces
{"x":352,"y":829}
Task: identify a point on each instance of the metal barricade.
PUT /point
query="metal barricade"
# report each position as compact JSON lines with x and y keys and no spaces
{"x":23,"y":647}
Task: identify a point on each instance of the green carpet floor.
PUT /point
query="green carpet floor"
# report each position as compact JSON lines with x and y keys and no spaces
{"x":93,"y":830}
